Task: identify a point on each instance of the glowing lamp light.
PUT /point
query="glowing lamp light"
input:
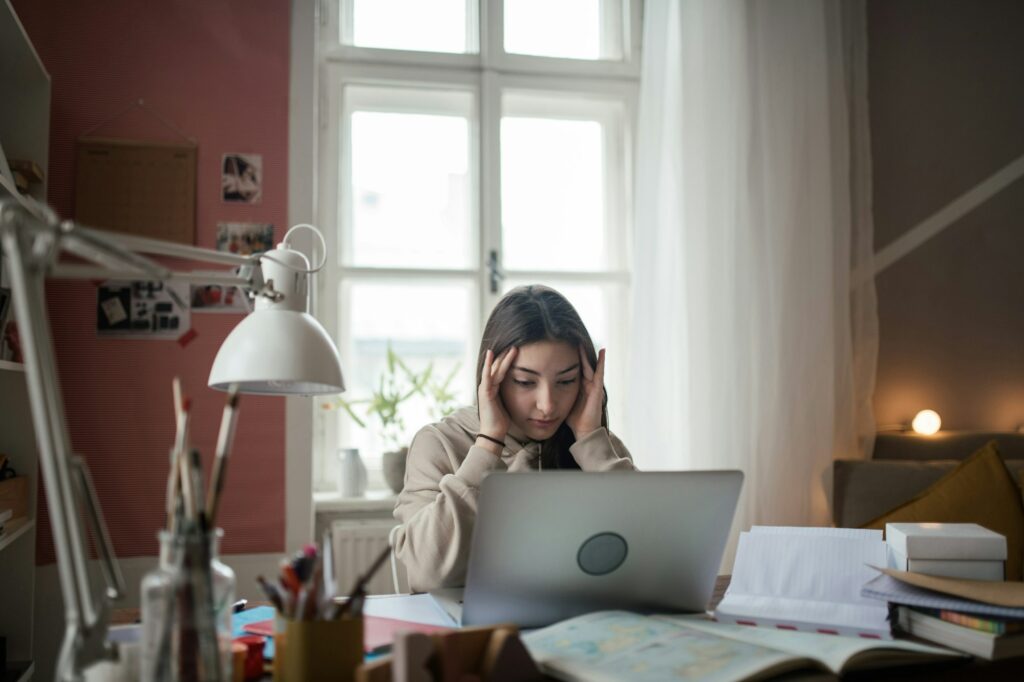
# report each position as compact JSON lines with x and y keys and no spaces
{"x":926,"y":422}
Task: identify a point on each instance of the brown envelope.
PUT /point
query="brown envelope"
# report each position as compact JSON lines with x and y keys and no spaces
{"x":1005,"y":593}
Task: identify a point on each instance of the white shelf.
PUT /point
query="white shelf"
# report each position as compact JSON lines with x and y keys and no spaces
{"x":8,"y":366}
{"x":14,"y":530}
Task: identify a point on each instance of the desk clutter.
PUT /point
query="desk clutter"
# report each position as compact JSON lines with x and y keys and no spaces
{"x":316,"y":637}
{"x":826,"y":580}
{"x":799,"y":599}
{"x":820,"y":598}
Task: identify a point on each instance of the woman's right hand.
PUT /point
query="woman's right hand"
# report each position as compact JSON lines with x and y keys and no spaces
{"x":494,"y":420}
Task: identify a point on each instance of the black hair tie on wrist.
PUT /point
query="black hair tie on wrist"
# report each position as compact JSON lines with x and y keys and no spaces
{"x":491,"y":438}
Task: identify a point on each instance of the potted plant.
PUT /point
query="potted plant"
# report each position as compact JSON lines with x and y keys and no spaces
{"x":397,"y":384}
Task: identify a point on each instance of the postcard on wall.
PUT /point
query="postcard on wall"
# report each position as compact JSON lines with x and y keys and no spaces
{"x":241,"y":178}
{"x":245,"y":238}
{"x":218,"y":298}
{"x":145,"y":310}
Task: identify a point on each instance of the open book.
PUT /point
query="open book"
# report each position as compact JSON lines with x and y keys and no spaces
{"x":807,"y":579}
{"x":619,"y":645}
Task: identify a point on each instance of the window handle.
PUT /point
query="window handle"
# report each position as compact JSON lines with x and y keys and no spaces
{"x":495,"y":271}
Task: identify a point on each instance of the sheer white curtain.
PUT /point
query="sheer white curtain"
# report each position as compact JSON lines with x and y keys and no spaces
{"x":750,"y":350}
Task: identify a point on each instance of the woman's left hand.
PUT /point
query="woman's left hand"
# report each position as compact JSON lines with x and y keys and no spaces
{"x":586,"y":413}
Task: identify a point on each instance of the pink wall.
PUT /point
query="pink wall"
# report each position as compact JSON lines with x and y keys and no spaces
{"x":218,"y":69}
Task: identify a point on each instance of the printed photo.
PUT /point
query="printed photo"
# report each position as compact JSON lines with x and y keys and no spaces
{"x":152,"y":310}
{"x":216,"y":298}
{"x":242,"y":178}
{"x":245,"y":238}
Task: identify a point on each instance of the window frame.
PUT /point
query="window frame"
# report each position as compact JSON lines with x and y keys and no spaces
{"x":486,"y":76}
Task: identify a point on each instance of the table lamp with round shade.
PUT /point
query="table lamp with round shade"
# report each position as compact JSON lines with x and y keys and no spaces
{"x":926,"y":422}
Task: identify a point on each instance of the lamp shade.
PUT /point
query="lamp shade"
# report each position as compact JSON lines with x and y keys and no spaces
{"x":278,"y":352}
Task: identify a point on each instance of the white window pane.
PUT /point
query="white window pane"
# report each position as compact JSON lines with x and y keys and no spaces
{"x":411,"y":200}
{"x":435,"y":26}
{"x":572,"y":29}
{"x":552,"y":194}
{"x":425,"y":324}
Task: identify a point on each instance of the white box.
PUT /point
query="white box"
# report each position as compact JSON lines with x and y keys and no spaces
{"x":948,"y":568}
{"x":962,"y":541}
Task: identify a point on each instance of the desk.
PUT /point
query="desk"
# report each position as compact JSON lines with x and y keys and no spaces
{"x":420,"y":608}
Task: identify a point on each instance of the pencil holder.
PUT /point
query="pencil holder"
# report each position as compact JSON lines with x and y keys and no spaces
{"x":320,"y":650}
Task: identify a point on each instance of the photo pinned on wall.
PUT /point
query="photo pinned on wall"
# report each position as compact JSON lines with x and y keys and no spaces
{"x":245,"y":239}
{"x":241,"y":178}
{"x":218,"y":298}
{"x":147,"y":310}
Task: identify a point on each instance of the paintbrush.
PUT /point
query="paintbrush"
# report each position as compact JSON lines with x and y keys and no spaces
{"x":181,"y":421}
{"x":354,"y":603}
{"x":224,"y":439}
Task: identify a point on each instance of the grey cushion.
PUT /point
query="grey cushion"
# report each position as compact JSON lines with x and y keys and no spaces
{"x":944,"y":445}
{"x":864,"y":490}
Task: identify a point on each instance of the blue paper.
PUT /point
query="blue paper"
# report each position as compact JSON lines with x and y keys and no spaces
{"x":255,"y":615}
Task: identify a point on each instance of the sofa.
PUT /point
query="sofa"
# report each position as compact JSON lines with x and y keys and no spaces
{"x":905,"y":464}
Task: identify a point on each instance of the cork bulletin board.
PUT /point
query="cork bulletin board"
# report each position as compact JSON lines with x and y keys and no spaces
{"x":141,"y":188}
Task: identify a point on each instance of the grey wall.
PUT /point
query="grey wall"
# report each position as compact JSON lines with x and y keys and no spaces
{"x":947,"y":110}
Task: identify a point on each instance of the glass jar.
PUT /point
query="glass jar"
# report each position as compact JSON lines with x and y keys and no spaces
{"x":170,"y":636}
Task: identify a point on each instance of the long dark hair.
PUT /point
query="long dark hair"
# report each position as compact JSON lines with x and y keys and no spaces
{"x":532,"y":313}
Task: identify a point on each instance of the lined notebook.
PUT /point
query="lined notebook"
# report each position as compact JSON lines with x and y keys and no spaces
{"x":806,"y":579}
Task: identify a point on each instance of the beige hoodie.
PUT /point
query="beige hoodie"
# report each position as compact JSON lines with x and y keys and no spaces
{"x":443,"y":473}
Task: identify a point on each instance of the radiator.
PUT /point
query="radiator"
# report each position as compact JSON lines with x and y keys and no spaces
{"x":356,"y":544}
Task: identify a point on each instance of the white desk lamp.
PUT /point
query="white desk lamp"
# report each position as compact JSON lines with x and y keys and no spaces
{"x":279,"y":349}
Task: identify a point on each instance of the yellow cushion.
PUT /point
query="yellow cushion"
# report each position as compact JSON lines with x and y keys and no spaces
{"x":980,"y":490}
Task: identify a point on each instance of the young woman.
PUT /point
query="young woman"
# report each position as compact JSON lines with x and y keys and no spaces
{"x":541,"y":404}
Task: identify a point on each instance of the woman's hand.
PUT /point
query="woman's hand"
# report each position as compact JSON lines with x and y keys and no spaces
{"x":586,"y":413}
{"x":494,"y":421}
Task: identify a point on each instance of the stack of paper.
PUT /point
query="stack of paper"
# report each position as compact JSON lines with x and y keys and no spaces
{"x":806,"y":579}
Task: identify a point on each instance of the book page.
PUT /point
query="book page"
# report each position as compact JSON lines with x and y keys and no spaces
{"x":807,"y":580}
{"x":833,"y":651}
{"x":618,"y":645}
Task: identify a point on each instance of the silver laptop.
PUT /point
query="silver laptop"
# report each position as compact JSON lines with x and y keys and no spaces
{"x":554,"y":545}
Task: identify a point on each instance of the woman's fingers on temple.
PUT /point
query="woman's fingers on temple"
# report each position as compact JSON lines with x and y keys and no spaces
{"x":588,"y":371}
{"x":506,"y":362}
{"x":599,"y":372}
{"x":488,"y":370}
